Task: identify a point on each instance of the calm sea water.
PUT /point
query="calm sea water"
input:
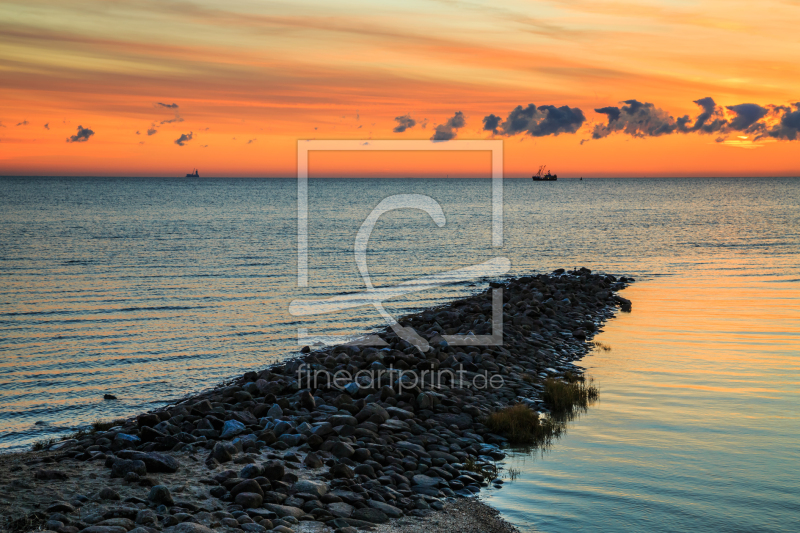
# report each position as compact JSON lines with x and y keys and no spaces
{"x":152,"y":288}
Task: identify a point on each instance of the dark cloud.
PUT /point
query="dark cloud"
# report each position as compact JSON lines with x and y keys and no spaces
{"x":645,"y":120}
{"x":403,"y":123}
{"x":747,"y":115}
{"x":557,"y":120}
{"x":47,"y":126}
{"x":711,"y":120}
{"x":537,"y":121}
{"x":170,"y":121}
{"x":638,"y":119}
{"x":180,"y":141}
{"x":171,"y":106}
{"x":491,"y":123}
{"x":251,"y":141}
{"x":82,"y":135}
{"x":447,"y":131}
{"x":23,"y":123}
{"x":789,"y":126}
{"x":151,"y":131}
{"x":137,"y":132}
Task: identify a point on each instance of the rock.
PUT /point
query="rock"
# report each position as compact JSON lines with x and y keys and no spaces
{"x":274,"y":470}
{"x":364,"y":470}
{"x":275,"y":411}
{"x":147,"y":420}
{"x":231,"y":428}
{"x":312,"y":460}
{"x":342,"y":471}
{"x":126,"y":438}
{"x":49,"y":475}
{"x":374,"y":413}
{"x":341,"y":509}
{"x":221,"y":453}
{"x":147,"y":517}
{"x":120,"y":467}
{"x":127,"y":523}
{"x":251,"y":471}
{"x":104,"y":529}
{"x":342,"y":449}
{"x":187,"y":527}
{"x":60,"y":507}
{"x":425,"y":481}
{"x":155,"y":462}
{"x":463,"y":420}
{"x":248,"y":485}
{"x":369,"y":514}
{"x":389,"y":510}
{"x":317,"y":488}
{"x":109,"y":397}
{"x":307,"y":400}
{"x":107,"y":493}
{"x":149,"y":434}
{"x":249,"y":499}
{"x":160,"y":495}
{"x":284,"y":510}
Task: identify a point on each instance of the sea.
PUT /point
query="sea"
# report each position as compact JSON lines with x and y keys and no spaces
{"x":149,"y":289}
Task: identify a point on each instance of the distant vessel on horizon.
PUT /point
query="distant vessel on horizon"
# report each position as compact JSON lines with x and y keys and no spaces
{"x":194,"y":174}
{"x":541,"y":176}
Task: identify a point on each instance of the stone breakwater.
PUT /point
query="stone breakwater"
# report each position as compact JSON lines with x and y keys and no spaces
{"x":278,"y":451}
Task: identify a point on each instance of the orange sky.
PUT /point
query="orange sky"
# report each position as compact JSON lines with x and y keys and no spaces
{"x":251,"y":78}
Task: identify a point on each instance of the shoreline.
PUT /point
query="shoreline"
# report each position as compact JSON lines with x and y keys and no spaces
{"x":262,"y":453}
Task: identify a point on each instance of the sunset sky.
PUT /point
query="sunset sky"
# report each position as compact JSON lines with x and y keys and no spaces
{"x":157,"y":88}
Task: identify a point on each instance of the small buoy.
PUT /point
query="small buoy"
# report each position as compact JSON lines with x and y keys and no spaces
{"x":109,"y":397}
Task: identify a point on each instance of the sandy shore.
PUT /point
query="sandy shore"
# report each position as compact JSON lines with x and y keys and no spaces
{"x":281,"y":449}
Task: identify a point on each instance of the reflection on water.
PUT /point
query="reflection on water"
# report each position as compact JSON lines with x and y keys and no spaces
{"x":152,"y":288}
{"x":697,"y":424}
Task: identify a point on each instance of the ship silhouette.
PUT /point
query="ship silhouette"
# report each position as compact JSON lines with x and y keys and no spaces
{"x":194,"y":174}
{"x":541,"y":176}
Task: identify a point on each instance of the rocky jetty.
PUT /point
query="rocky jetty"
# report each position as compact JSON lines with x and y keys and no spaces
{"x":337,"y":439}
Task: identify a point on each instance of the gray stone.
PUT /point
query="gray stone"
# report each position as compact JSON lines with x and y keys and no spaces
{"x":284,"y":510}
{"x":369,"y":514}
{"x":316,"y":488}
{"x":107,"y":493}
{"x":342,"y":449}
{"x":188,"y":527}
{"x":341,"y":509}
{"x":425,"y":481}
{"x":231,"y":428}
{"x":160,"y":495}
{"x":120,"y":467}
{"x":275,"y":411}
{"x":312,"y":460}
{"x":249,"y":499}
{"x":389,"y":510}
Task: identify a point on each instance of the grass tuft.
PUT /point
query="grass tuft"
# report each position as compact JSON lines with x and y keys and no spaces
{"x":601,"y":346}
{"x":522,"y":426}
{"x":43,"y":444}
{"x":566,"y":397}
